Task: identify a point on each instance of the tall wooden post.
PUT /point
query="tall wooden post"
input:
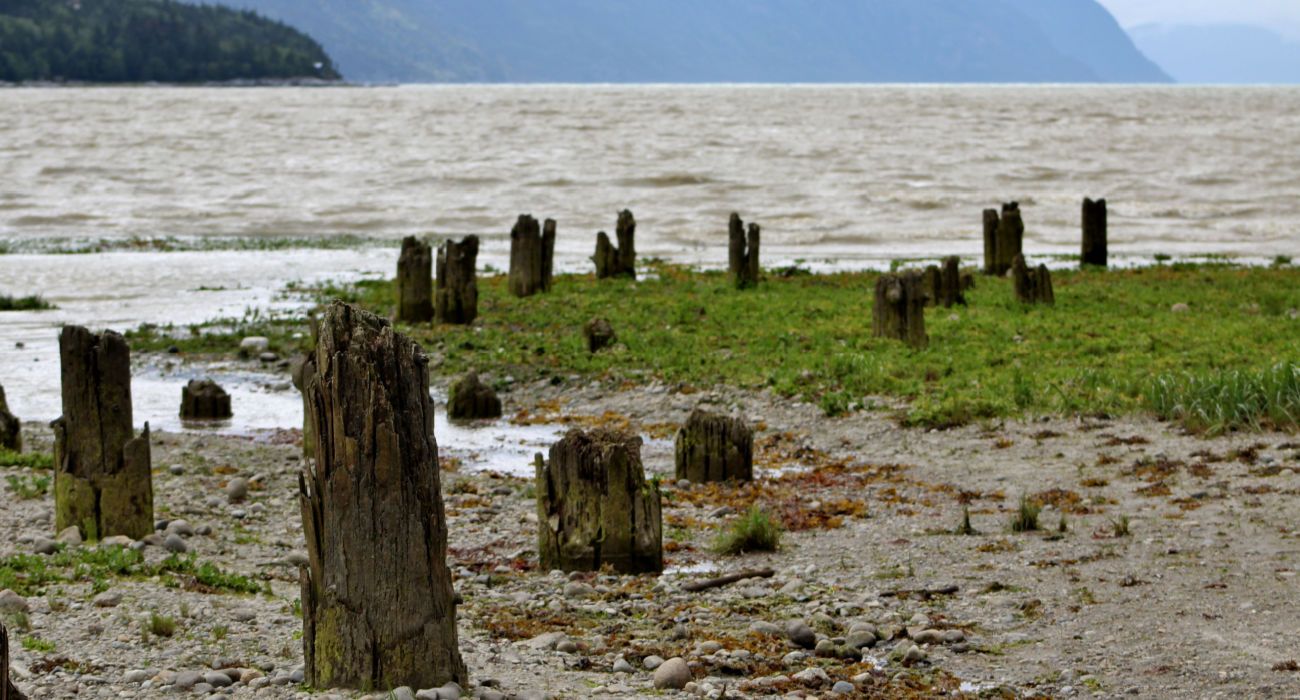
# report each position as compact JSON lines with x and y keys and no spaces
{"x":949,"y":291}
{"x":1003,"y":238}
{"x":457,"y":297}
{"x":8,"y":691}
{"x":415,"y":282}
{"x":378,"y":606}
{"x":712,"y":447}
{"x":532,"y":252}
{"x":742,"y":252}
{"x":11,"y":429}
{"x":620,"y":261}
{"x":1032,"y":285}
{"x":1094,"y":233}
{"x":301,"y":368}
{"x":595,"y":508}
{"x":900,"y":308}
{"x":102,"y":472}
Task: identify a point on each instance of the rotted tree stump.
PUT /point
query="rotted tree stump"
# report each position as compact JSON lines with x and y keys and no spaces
{"x":599,"y":334}
{"x":102,"y":479}
{"x":378,"y":606}
{"x":204,"y":399}
{"x":900,"y":308}
{"x":11,"y":429}
{"x":1094,"y":233}
{"x":621,"y":261}
{"x":415,"y":282}
{"x":301,"y":368}
{"x":457,"y":296}
{"x":532,"y":251}
{"x":1032,"y":285}
{"x":595,"y":508}
{"x":742,"y":252}
{"x":8,"y":691}
{"x":711,"y":447}
{"x":1003,"y":238}
{"x":471,"y":399}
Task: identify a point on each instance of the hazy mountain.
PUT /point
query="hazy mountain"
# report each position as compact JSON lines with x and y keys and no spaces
{"x":1221,"y":53}
{"x":718,"y":40}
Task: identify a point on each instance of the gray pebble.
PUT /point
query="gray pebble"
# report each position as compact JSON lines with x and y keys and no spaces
{"x":843,"y":688}
{"x":801,"y":634}
{"x":237,"y":490}
{"x":674,"y":674}
{"x":174,"y":543}
{"x":652,"y":662}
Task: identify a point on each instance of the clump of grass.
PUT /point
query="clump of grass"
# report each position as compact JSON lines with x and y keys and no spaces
{"x":161,"y":625}
{"x":755,"y":531}
{"x":1025,"y":518}
{"x":965,"y":528}
{"x":1282,"y":261}
{"x":29,"y":460}
{"x":28,"y":487}
{"x":1119,"y":526}
{"x":38,"y":645}
{"x":1218,"y":402}
{"x":1063,"y":527}
{"x":33,"y":302}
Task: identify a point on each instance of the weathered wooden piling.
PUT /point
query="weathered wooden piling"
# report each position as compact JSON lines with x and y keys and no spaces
{"x":204,"y":399}
{"x":471,"y":399}
{"x":456,"y":301}
{"x":595,"y":507}
{"x":8,"y":691}
{"x":621,"y":261}
{"x":415,"y":282}
{"x":1094,"y":233}
{"x":1003,"y":238}
{"x":599,"y":334}
{"x":743,"y":253}
{"x":713,"y":447}
{"x":949,"y":292}
{"x":900,"y":308}
{"x":1032,"y":285}
{"x":532,"y":250}
{"x":301,"y":368}
{"x":378,"y":606}
{"x":11,"y":429}
{"x":102,"y":479}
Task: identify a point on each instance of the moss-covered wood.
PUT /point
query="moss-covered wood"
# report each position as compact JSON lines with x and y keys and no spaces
{"x":712,"y":447}
{"x":415,"y":282}
{"x":742,"y":252}
{"x":1003,"y":238}
{"x":456,"y":301}
{"x":8,"y":691}
{"x":102,"y":472}
{"x":378,"y":605}
{"x":617,"y":261}
{"x":532,"y":252}
{"x":595,"y":507}
{"x":11,"y":429}
{"x":599,"y":334}
{"x":204,"y":399}
{"x":1094,"y":233}
{"x":899,"y":311}
{"x":471,"y":399}
{"x":1032,"y":285}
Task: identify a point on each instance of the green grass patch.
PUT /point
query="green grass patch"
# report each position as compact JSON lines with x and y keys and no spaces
{"x":31,"y":574}
{"x":37,"y":645}
{"x":33,"y":302}
{"x":28,"y":460}
{"x":755,"y":531}
{"x":1220,"y":401}
{"x":29,"y":486}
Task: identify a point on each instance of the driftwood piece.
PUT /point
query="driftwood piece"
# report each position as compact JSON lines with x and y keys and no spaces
{"x":711,"y":447}
{"x":204,"y":399}
{"x":1094,"y":233}
{"x":743,"y":253}
{"x":8,"y":691}
{"x":11,"y":429}
{"x":456,"y":300}
{"x":900,"y":308}
{"x":920,"y":593}
{"x":415,"y":282}
{"x":599,"y":334}
{"x":471,"y":399}
{"x":618,"y":261}
{"x":1032,"y":285}
{"x":727,"y":580}
{"x":1003,"y":238}
{"x":102,"y":472}
{"x":532,"y":251}
{"x":378,"y":606}
{"x":595,"y":507}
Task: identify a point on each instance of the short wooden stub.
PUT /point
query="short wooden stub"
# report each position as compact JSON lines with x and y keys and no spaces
{"x":1032,"y":285}
{"x":302,"y":367}
{"x":204,"y":399}
{"x":743,"y":253}
{"x":595,"y":507}
{"x":949,"y":291}
{"x":456,"y":301}
{"x":377,"y":602}
{"x":8,"y":691}
{"x":1003,"y":238}
{"x":900,"y":308}
{"x":618,"y":261}
{"x":471,"y":399}
{"x":713,"y":447}
{"x":599,"y":334}
{"x":931,"y":278}
{"x":11,"y":429}
{"x":1094,"y":233}
{"x":102,"y":479}
{"x":415,"y":282}
{"x":532,"y":251}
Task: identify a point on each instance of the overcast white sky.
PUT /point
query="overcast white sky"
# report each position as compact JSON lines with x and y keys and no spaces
{"x":1282,"y":15}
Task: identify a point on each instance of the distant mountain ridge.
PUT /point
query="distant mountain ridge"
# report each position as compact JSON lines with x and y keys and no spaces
{"x":588,"y":41}
{"x":1221,"y":53}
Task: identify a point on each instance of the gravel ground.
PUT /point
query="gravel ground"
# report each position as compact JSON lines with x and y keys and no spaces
{"x":873,"y":593}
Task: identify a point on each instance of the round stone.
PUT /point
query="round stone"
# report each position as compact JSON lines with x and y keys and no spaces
{"x":674,"y":674}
